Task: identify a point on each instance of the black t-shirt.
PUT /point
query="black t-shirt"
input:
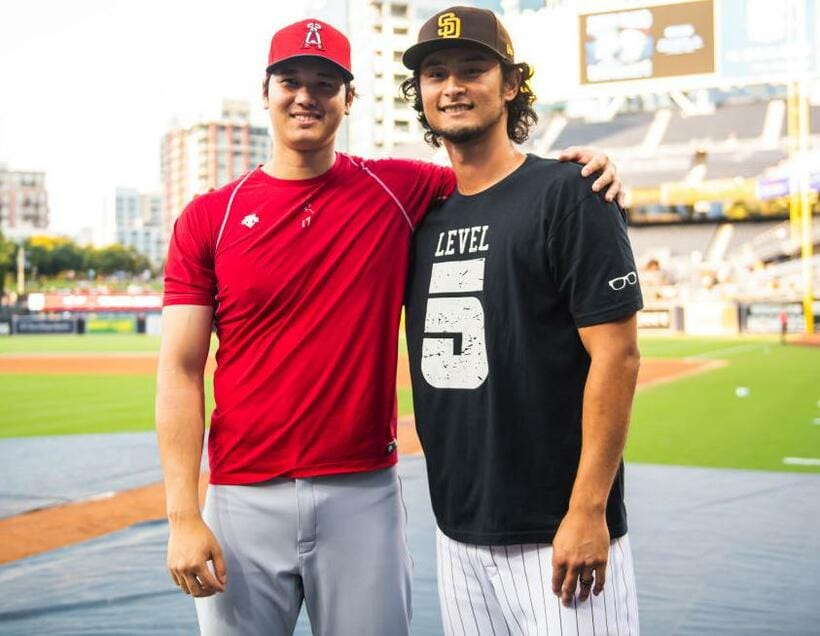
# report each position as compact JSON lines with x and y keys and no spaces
{"x":499,"y":284}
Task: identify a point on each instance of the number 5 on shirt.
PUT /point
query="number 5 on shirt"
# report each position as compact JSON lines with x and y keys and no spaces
{"x":454,"y":353}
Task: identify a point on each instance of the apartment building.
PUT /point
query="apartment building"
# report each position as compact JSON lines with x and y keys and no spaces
{"x":205,"y":155}
{"x":23,"y":202}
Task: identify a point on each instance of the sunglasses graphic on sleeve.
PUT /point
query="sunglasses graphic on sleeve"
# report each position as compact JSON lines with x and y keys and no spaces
{"x":622,"y":281}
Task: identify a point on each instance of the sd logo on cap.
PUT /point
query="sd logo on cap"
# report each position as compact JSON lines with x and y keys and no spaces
{"x":460,"y":26}
{"x":449,"y":25}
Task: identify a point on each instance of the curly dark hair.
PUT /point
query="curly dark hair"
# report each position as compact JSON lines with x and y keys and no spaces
{"x":521,"y":115}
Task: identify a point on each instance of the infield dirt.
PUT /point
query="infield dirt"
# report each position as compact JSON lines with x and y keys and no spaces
{"x":652,"y":370}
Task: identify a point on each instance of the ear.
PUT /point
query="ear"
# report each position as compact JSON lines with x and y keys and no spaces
{"x":265,"y":88}
{"x":351,"y":94}
{"x":512,"y":85}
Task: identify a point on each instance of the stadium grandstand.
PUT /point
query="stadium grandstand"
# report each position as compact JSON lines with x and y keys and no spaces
{"x":707,"y":188}
{"x":689,"y":140}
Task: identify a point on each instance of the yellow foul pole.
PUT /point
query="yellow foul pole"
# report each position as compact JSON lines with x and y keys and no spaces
{"x":800,"y":209}
{"x":793,"y":131}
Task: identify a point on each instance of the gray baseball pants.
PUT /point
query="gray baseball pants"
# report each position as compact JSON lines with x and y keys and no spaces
{"x":337,"y":543}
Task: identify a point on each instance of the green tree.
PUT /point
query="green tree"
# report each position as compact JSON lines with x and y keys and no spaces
{"x":117,"y":258}
{"x":8,"y":252}
{"x":67,"y":255}
{"x":51,"y":255}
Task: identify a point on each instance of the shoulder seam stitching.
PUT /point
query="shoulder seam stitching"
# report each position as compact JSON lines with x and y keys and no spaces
{"x":386,"y":189}
{"x":228,"y":210}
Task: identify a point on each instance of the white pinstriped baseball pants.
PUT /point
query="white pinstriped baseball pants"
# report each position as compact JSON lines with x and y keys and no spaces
{"x":507,"y":590}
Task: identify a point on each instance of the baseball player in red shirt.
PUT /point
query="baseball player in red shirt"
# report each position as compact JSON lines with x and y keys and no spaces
{"x":301,"y":265}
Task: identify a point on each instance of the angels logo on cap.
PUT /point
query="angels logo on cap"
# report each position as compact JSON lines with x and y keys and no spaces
{"x":312,"y":37}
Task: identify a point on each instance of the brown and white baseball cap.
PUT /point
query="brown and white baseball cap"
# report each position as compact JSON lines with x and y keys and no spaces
{"x":460,"y":26}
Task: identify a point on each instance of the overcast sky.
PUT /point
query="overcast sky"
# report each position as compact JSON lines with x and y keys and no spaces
{"x":87,"y":87}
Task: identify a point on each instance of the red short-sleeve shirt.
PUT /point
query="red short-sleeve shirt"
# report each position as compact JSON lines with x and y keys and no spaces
{"x":307,"y":281}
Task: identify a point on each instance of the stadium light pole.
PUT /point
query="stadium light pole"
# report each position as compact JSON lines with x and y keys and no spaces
{"x":800,"y":207}
{"x":793,"y":131}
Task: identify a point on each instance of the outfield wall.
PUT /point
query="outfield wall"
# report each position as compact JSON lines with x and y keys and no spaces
{"x":765,"y":317}
{"x":81,"y":323}
{"x":661,"y":319}
{"x":696,"y":318}
{"x":724,"y":318}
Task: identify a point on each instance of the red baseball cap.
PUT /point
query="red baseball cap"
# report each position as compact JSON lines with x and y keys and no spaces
{"x":311,"y":38}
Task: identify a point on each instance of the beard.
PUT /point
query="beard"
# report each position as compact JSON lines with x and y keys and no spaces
{"x":463,"y":134}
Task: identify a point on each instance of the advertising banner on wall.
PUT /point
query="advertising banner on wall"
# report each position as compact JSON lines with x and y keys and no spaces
{"x":764,"y":317}
{"x":655,"y":319}
{"x":658,"y":319}
{"x":683,"y":193}
{"x":775,"y":187}
{"x":94,"y":302}
{"x":643,"y":43}
{"x":110,"y":323}
{"x":32,"y":325}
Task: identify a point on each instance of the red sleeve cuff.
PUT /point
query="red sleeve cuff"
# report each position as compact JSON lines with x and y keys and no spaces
{"x":188,"y":299}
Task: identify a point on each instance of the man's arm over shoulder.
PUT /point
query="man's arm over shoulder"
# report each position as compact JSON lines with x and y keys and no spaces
{"x":593,"y":161}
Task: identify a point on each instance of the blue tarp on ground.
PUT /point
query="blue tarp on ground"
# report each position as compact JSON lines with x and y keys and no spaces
{"x":37,"y":472}
{"x":716,"y":552}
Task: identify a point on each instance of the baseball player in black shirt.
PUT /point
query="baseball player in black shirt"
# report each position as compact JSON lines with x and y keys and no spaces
{"x":523,"y":350}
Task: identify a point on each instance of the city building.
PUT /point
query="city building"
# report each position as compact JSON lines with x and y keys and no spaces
{"x":138,"y":223}
{"x":23,"y":202}
{"x":205,"y":155}
{"x":381,"y":119}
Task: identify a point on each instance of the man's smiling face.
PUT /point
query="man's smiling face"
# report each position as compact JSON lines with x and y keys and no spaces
{"x":463,"y":93}
{"x":307,"y":101}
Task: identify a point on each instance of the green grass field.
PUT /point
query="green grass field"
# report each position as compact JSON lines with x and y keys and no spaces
{"x":697,"y":420}
{"x":94,"y":343}
{"x":701,"y":421}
